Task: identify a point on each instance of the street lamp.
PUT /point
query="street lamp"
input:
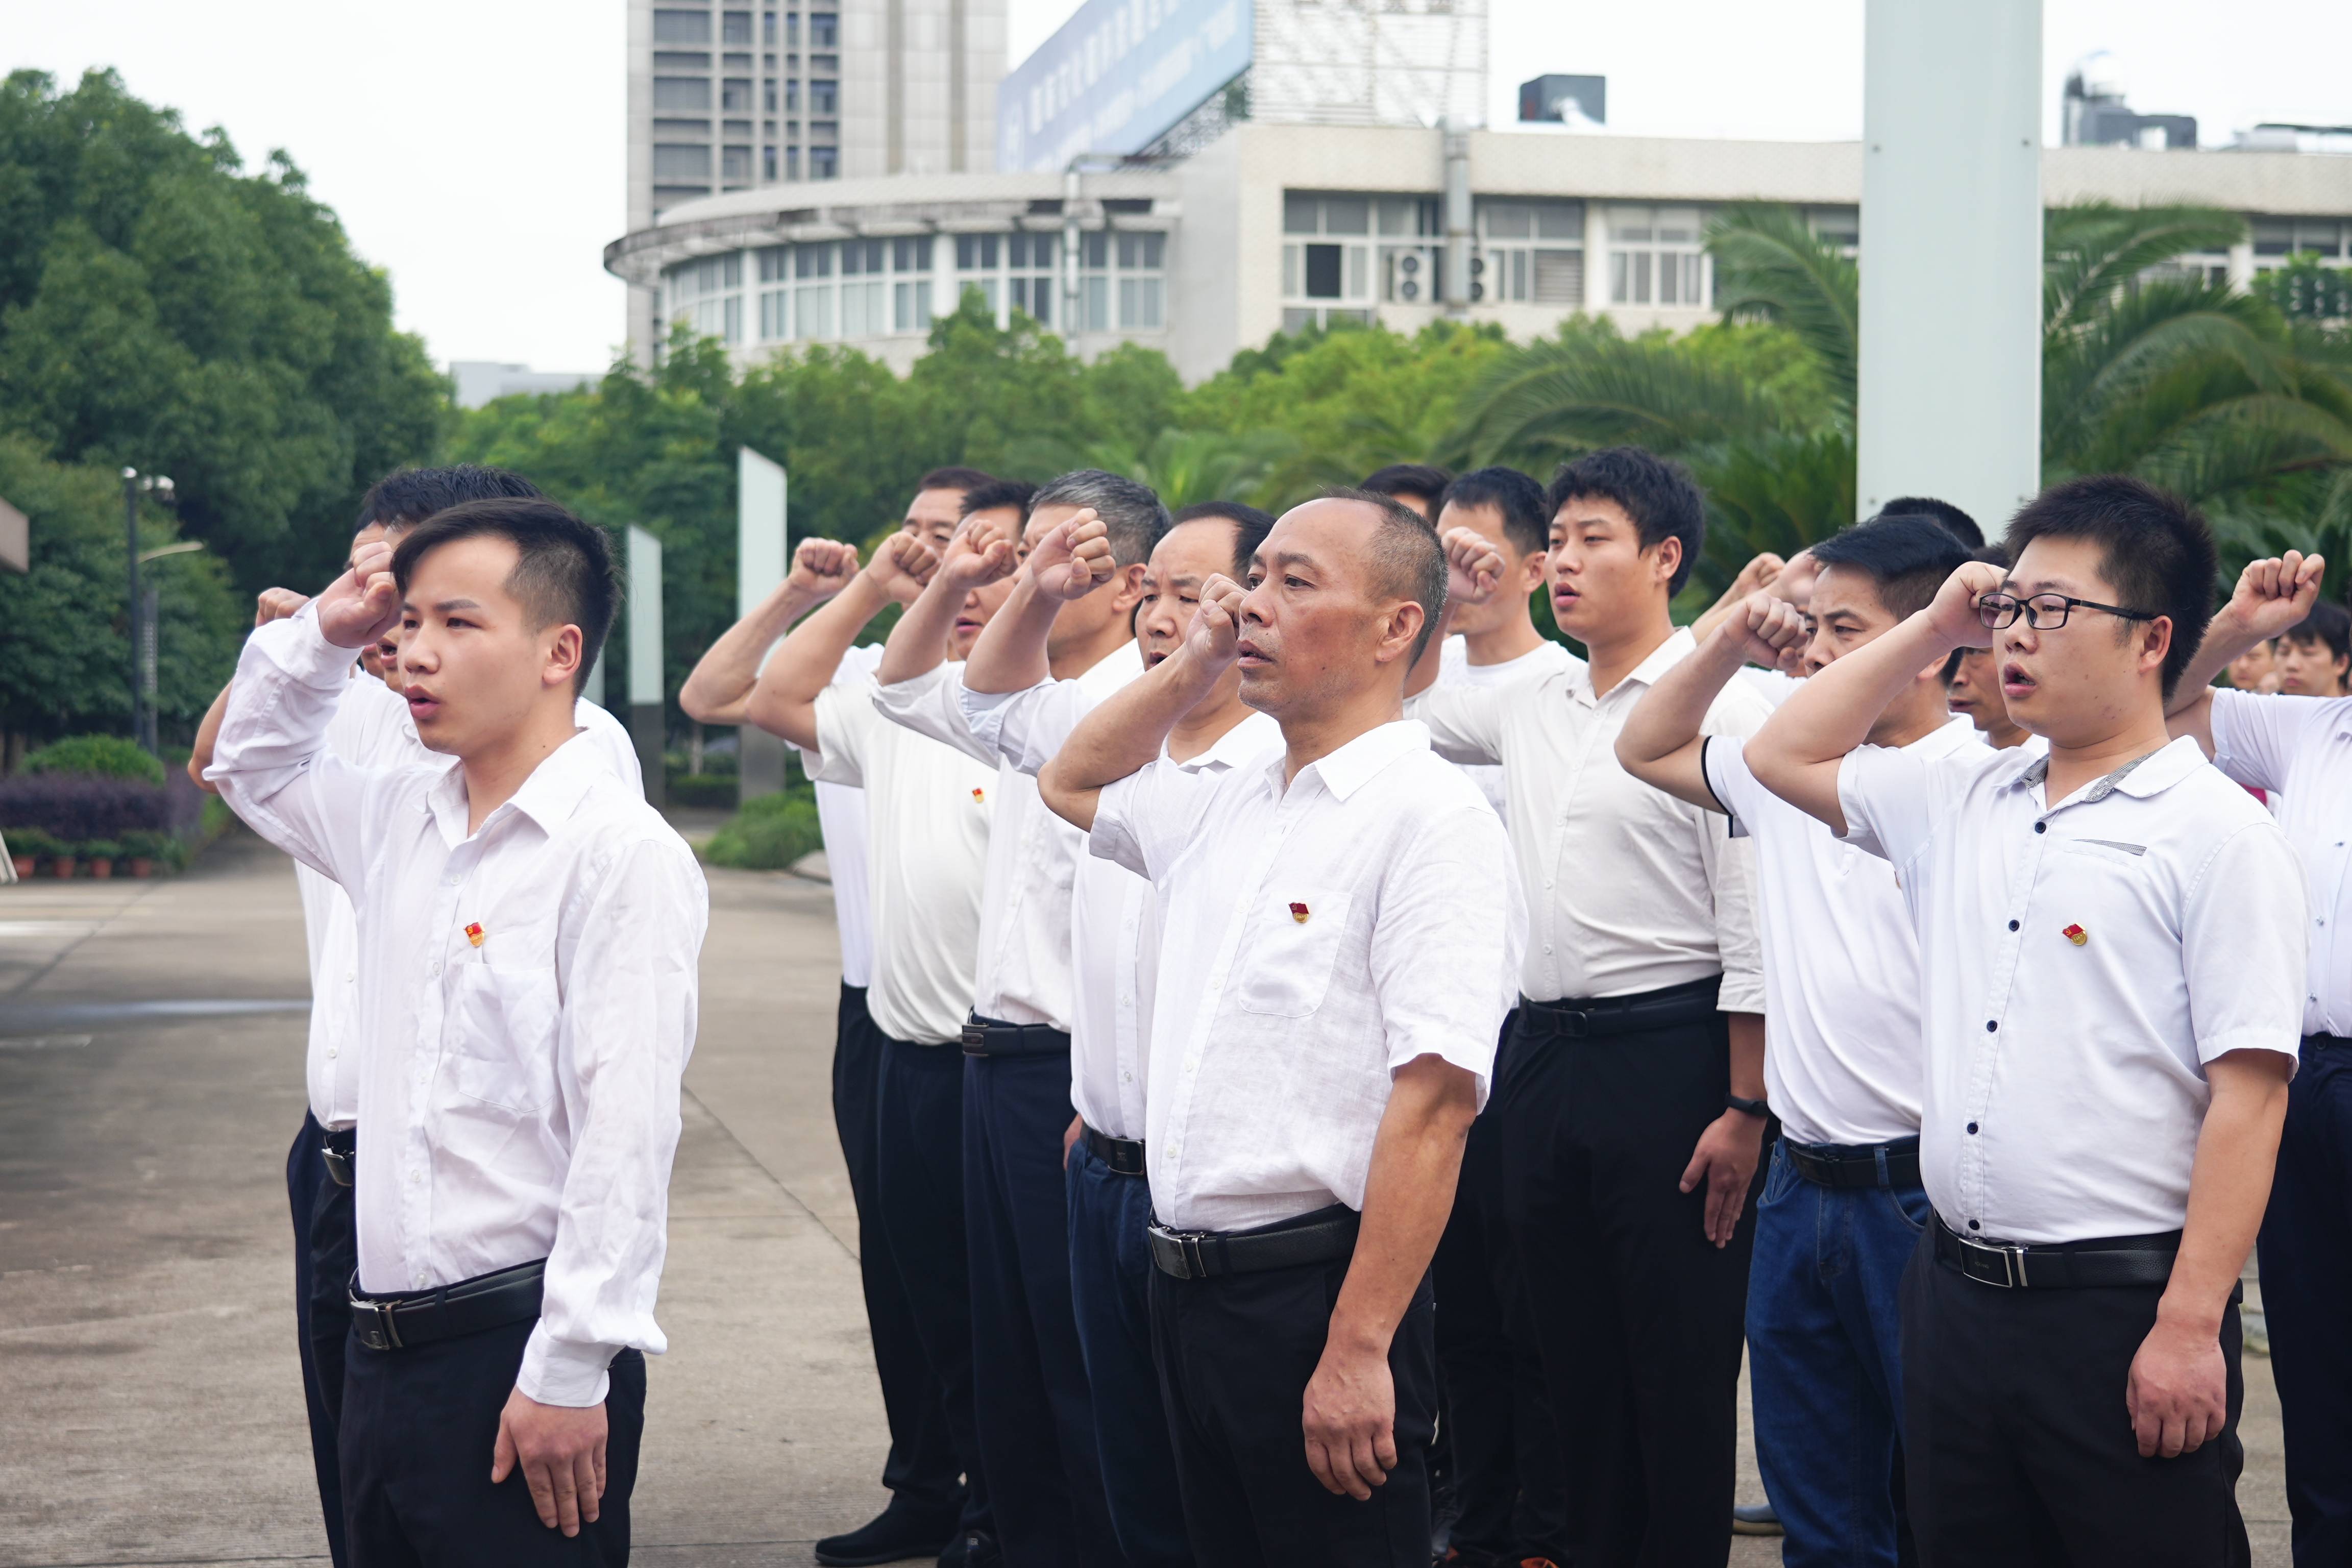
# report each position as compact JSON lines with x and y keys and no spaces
{"x":143,"y":652}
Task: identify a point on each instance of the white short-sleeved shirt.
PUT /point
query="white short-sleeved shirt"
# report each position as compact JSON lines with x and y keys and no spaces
{"x":930,"y":809}
{"x":1842,"y":1053}
{"x":1455,"y":669}
{"x":1314,"y":940}
{"x":2298,"y":752}
{"x":2065,"y":1083}
{"x":841,"y":818}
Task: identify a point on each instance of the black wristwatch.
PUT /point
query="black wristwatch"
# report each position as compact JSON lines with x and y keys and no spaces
{"x":1755,"y":1108}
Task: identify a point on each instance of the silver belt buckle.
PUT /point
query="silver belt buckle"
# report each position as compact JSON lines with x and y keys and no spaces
{"x":2012,"y":1263}
{"x":372,"y":1320}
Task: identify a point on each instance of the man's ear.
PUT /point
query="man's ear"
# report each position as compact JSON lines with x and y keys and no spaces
{"x":1401,"y":631}
{"x":2156,"y":642}
{"x":1666,"y":558}
{"x":562,"y":667}
{"x":1126,"y":586}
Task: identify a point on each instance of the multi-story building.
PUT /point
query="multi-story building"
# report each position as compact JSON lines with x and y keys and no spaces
{"x":730,"y":96}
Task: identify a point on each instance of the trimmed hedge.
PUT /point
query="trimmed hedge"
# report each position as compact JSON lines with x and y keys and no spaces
{"x":768,"y":834}
{"x":108,"y":756}
{"x":78,"y":806}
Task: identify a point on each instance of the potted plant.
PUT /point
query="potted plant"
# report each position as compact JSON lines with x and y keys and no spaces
{"x":61,"y":863}
{"x":142,"y":848}
{"x":26,"y":848}
{"x":102,"y":853}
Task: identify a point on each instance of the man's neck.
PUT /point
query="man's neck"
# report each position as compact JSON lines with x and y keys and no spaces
{"x":2003,"y":735}
{"x":1309,"y":739}
{"x":1202,"y":727}
{"x":494,"y":773}
{"x":1911,"y":718}
{"x":1515,"y":638}
{"x":1071,"y":662}
{"x":1617,"y":654}
{"x":2137,"y":732}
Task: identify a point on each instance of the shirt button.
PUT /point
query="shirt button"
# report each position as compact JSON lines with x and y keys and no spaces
{"x":1974,"y":1226}
{"x":437,"y":967}
{"x":1972,"y":1127}
{"x":331,"y":1053}
{"x":2012,"y":925}
{"x":1990,"y":1024}
{"x":2038,"y":828}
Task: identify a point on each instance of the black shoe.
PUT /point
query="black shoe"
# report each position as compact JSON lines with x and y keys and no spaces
{"x":1755,"y":1518}
{"x":891,"y":1536}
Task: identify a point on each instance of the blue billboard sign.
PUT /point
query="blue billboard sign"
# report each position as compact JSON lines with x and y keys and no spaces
{"x":1115,"y":76}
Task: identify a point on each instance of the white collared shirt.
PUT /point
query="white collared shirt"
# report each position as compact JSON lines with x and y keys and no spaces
{"x":2065,"y":1082}
{"x":931,"y":810}
{"x":2298,"y":752}
{"x":841,"y":819}
{"x":1455,"y":669}
{"x":1314,"y":940}
{"x":1842,"y":1057}
{"x":1033,"y":855}
{"x":373,"y":729}
{"x":1629,"y":890}
{"x":519,"y":1093}
{"x":1114,"y":916}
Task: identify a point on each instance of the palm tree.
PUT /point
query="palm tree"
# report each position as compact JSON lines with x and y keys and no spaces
{"x":1185,"y":466}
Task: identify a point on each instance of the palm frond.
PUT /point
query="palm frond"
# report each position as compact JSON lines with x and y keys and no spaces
{"x":2093,"y":249}
{"x":1768,"y":265}
{"x":1552,"y":399}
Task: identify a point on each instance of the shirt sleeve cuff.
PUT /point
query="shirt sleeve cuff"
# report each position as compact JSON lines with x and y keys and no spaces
{"x":564,"y":1372}
{"x":298,"y":646}
{"x":1740,"y":994}
{"x":2212,"y":1047}
{"x":1112,"y":839}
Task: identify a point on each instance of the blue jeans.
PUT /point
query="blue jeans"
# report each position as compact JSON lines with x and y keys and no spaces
{"x":1825,"y":1359}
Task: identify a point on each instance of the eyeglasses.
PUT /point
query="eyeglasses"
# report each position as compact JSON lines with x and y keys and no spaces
{"x":2044,"y":612}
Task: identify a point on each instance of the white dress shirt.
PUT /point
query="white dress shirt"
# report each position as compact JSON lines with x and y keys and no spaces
{"x":1842,"y":1053}
{"x":1114,"y":916}
{"x":1314,"y":940}
{"x":2298,"y":752}
{"x":1033,"y":855}
{"x":841,"y":819}
{"x":1628,"y":889}
{"x":931,"y":810}
{"x":519,"y":1086}
{"x":1455,"y":669}
{"x":2065,"y":1083}
{"x":373,"y":729}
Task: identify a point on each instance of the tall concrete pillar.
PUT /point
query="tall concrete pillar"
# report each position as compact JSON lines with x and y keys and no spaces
{"x":1950,"y":381}
{"x":646,"y":726}
{"x":761,"y":561}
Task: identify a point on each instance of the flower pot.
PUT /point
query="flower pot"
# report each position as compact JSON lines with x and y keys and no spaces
{"x":23,"y":864}
{"x":62,"y":866}
{"x":142,"y":867}
{"x":101,"y":867}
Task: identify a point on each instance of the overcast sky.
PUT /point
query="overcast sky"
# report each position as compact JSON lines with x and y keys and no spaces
{"x":474,"y":147}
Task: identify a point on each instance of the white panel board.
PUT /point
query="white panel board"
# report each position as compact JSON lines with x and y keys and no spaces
{"x":645,"y":618}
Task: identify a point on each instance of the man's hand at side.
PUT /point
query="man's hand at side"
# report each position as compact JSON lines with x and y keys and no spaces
{"x":561,"y":1450}
{"x":1349,"y":1418}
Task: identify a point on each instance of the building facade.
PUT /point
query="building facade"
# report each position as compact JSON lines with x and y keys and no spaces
{"x":731,"y":96}
{"x":1273,"y":227}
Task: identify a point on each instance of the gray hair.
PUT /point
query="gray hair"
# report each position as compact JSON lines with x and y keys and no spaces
{"x":1131,"y":511}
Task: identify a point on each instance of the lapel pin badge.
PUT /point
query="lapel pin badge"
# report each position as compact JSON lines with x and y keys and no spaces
{"x":1298,"y":913}
{"x":979,"y":796}
{"x":474,"y":933}
{"x":2077,"y":935}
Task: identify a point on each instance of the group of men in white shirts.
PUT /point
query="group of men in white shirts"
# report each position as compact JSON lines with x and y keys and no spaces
{"x":1293,"y":1009}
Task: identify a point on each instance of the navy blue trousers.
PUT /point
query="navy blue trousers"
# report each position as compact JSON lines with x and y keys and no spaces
{"x":326,"y":1251}
{"x":2306,"y":1252}
{"x":1110,"y":1288}
{"x":1029,"y":1377}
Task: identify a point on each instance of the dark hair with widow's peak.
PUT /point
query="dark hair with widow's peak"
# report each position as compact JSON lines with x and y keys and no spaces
{"x":998,"y":493}
{"x":1406,"y":556}
{"x":1907,"y":558}
{"x":407,"y":497}
{"x":2154,"y":552}
{"x":1250,"y":528}
{"x":1423,"y":481}
{"x":1964,"y":527}
{"x":953,"y":479}
{"x":1517,"y":497}
{"x":1657,"y":493}
{"x":563,"y":572}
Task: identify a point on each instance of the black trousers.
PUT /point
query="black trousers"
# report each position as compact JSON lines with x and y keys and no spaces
{"x":1235,"y":1354}
{"x":2306,"y":1253}
{"x":1030,"y":1398}
{"x":326,"y":1251}
{"x":1505,"y":1452}
{"x":2016,"y":1446}
{"x":420,"y":1426}
{"x":920,"y":1469}
{"x":1639,"y":1315}
{"x":918,"y":1190}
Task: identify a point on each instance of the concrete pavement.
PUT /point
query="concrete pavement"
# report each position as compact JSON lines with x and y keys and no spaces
{"x":151,"y":1078}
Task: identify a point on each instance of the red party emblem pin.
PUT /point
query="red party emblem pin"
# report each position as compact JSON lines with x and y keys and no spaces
{"x":979,"y":796}
{"x":1298,"y":913}
{"x":2077,"y":935}
{"x":474,"y":933}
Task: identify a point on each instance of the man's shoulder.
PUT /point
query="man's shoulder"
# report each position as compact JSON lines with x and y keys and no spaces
{"x":613,"y":819}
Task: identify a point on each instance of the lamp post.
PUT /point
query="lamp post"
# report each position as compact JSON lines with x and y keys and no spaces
{"x":142,"y":718}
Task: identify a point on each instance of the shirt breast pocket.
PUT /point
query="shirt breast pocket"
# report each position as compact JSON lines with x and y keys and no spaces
{"x":1289,"y":948}
{"x":503,"y":1023}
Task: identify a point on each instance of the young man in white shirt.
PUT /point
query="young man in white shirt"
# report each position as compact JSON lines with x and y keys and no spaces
{"x":1014,"y":705}
{"x":2298,"y":750}
{"x":2315,"y":655}
{"x":1339,"y":932}
{"x":1634,"y":1116}
{"x":530,"y":930}
{"x":2110,"y":990}
{"x":920,"y":1470}
{"x":1035,"y":1416}
{"x":932,"y":812}
{"x":1501,"y":1454}
{"x":1841,"y":1209}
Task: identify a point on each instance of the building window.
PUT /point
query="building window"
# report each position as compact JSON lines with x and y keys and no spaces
{"x":1532,"y":253}
{"x":672,"y":93}
{"x":824,"y":163}
{"x":768,"y":97}
{"x":681,"y":27}
{"x":736,"y":28}
{"x":792,"y":31}
{"x":825,"y":30}
{"x":1655,"y":257}
{"x":768,"y":164}
{"x":792,"y":163}
{"x":681,"y":61}
{"x":1034,"y":286}
{"x":1840,"y":226}
{"x":2285,"y":237}
{"x":768,"y":30}
{"x":735,"y":96}
{"x":911,"y":294}
{"x":672,"y":161}
{"x":707,"y":295}
{"x":735,"y":165}
{"x":1338,"y":268}
{"x":824,"y":98}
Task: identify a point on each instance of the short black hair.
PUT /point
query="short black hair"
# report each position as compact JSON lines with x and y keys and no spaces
{"x":563,"y":572}
{"x":1406,"y":556}
{"x":954,"y":479}
{"x":409,"y":496}
{"x":996,"y":493}
{"x":2329,"y":623}
{"x":1908,"y":557}
{"x":1425,"y":480}
{"x":1131,"y":511}
{"x":2156,"y":550}
{"x":1250,"y":528}
{"x":1963,"y":526}
{"x":1510,"y":492}
{"x":1657,"y":493}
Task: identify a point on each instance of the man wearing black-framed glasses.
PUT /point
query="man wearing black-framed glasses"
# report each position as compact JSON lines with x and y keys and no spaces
{"x":2112,"y":987}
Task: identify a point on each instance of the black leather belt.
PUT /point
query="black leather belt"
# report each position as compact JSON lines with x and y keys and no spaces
{"x":338,"y":1148}
{"x":1845,"y":1166}
{"x":468,"y":1306}
{"x":994,"y":1037}
{"x":2104,"y":1262}
{"x":1323,"y":1237}
{"x":2316,"y":1042}
{"x":1124,"y":1155}
{"x":1596,"y":1016}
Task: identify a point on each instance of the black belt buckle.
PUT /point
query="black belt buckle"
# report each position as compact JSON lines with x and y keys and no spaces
{"x":337,"y":1164}
{"x":371,"y":1322}
{"x":1184,"y":1247}
{"x":1124,"y":1155}
{"x":1977,"y":1262}
{"x":974,"y":1039}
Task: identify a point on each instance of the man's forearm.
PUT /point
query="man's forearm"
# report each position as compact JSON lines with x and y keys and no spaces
{"x":1746,"y":1054}
{"x":1659,"y":744}
{"x":719,"y":688}
{"x":200,"y":754}
{"x":2229,"y":1187}
{"x":1832,"y":713}
{"x":1125,"y":733}
{"x":1408,"y":1194}
{"x":783,"y":700}
{"x":2226,"y":637}
{"x":1010,"y":653}
{"x":918,"y":643}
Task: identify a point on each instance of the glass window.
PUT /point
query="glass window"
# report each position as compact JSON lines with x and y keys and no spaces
{"x":824,"y":98}
{"x":825,"y":30}
{"x":671,"y":129}
{"x":792,"y":31}
{"x":1298,"y":320}
{"x":812,"y":310}
{"x":863,"y":255}
{"x":1093,"y":250}
{"x":768,"y":99}
{"x":911,"y":302}
{"x":861,"y":310}
{"x":812,"y":260}
{"x":976,"y":252}
{"x":1299,"y":214}
{"x":1347,"y":215}
{"x":792,"y":95}
{"x":792,"y":163}
{"x":681,"y":27}
{"x":775,"y":315}
{"x":824,"y":163}
{"x":1508,"y":220}
{"x":677,"y":93}
{"x":1323,"y":270}
{"x":774,"y":262}
{"x":911,"y":255}
{"x":1655,"y":256}
{"x":736,"y":62}
{"x":1093,"y":296}
{"x":680,"y":61}
{"x":768,"y":30}
{"x":676,"y":161}
{"x":735,"y":27}
{"x":1139,"y":303}
{"x":735,"y":165}
{"x":1400,"y":216}
{"x":1558,"y":278}
{"x":735,"y":96}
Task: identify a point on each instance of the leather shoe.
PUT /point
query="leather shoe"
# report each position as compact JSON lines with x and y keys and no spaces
{"x":891,"y":1536}
{"x":1755,"y":1518}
